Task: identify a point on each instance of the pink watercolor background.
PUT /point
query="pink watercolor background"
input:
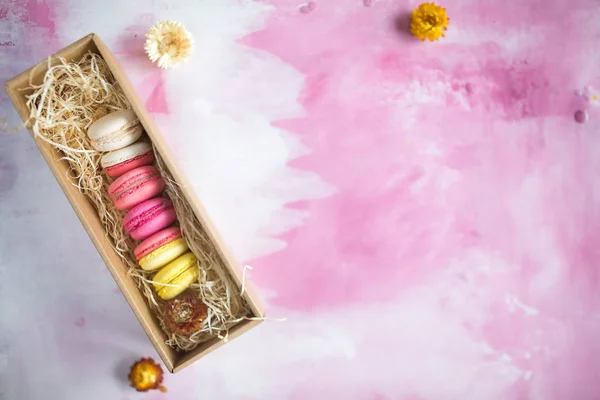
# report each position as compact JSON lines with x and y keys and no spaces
{"x":459,"y":254}
{"x":491,"y":162}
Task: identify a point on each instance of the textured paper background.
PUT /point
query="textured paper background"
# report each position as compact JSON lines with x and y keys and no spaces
{"x":427,"y":216}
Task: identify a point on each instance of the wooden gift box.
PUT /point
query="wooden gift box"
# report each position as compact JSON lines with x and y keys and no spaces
{"x":173,"y":360}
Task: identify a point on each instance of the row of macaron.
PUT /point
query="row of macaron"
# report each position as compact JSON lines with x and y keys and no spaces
{"x":137,"y":190}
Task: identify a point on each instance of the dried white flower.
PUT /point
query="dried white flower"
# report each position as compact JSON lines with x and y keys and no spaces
{"x":169,"y":43}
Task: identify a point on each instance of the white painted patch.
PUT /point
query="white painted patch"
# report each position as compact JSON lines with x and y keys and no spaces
{"x":513,"y":303}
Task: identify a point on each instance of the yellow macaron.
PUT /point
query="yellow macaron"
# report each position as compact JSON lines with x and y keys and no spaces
{"x":180,"y":273}
{"x":163,"y":255}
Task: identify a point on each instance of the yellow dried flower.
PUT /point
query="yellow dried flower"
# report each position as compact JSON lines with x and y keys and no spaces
{"x":429,"y":21}
{"x":146,"y":375}
{"x":169,"y":43}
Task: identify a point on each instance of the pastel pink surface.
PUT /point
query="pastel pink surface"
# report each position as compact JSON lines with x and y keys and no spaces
{"x":149,"y":217}
{"x":136,"y":186}
{"x":465,"y":211}
{"x":466,"y":199}
{"x":126,"y":166}
{"x":156,"y":241}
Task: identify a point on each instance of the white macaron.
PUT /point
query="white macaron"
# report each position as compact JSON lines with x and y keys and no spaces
{"x":115,"y":130}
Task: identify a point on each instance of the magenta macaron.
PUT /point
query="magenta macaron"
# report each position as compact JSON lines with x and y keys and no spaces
{"x":149,"y":217}
{"x":135,"y":186}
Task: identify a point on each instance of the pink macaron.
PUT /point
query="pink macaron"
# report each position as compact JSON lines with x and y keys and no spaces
{"x":149,"y":217}
{"x":135,"y":186}
{"x":118,"y":162}
{"x":156,"y":241}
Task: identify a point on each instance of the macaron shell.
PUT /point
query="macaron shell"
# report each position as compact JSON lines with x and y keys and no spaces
{"x":181,"y":272}
{"x":111,"y":123}
{"x":155,"y":241}
{"x":118,"y":139}
{"x":183,"y":281}
{"x":164,"y":255}
{"x":149,"y":217}
{"x":136,"y":186}
{"x":115,"y":130}
{"x":126,"y":166}
{"x":126,"y":153}
{"x":118,"y":162}
{"x":174,"y":268}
